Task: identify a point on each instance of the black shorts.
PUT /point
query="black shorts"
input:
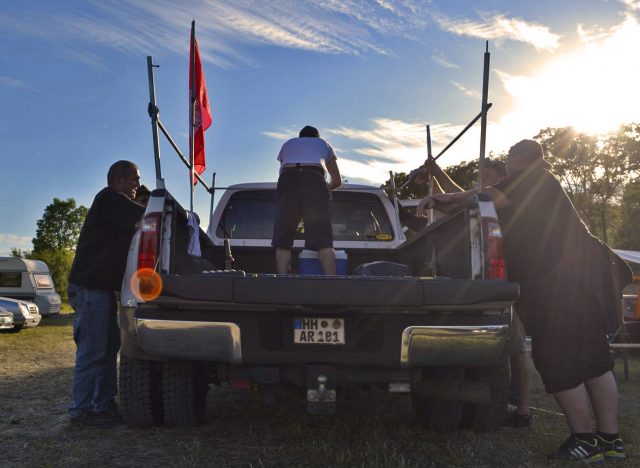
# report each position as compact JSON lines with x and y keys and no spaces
{"x":303,"y":195}
{"x":569,"y":345}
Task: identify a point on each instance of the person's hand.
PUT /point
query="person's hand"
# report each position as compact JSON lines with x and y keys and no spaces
{"x":432,"y":167}
{"x":438,"y":201}
{"x":425,"y":204}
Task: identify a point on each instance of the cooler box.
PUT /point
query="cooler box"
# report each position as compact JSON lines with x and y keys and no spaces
{"x":310,"y":265}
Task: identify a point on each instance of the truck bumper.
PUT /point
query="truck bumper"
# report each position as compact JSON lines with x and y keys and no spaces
{"x":203,"y":341}
{"x":450,"y":346}
{"x":220,"y":341}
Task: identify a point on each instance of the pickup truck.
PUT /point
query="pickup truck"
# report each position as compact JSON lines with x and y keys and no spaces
{"x":435,"y":325}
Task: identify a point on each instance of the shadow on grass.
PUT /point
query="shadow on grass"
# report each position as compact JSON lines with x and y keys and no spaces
{"x":372,"y":428}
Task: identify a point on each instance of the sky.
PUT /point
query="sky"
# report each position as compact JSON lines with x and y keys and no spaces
{"x":369,"y":74}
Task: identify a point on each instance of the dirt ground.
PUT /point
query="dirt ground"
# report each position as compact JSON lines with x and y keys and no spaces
{"x":371,"y":428}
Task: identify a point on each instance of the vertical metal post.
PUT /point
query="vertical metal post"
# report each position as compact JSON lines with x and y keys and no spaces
{"x":213,"y":193}
{"x":483,"y":120}
{"x":396,"y":203}
{"x":192,"y":103}
{"x":430,"y":214}
{"x":154,"y":119}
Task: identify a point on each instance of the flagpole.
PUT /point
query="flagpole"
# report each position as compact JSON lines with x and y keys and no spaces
{"x":483,"y":120}
{"x":430,"y":216}
{"x":192,"y":100}
{"x":153,"y":113}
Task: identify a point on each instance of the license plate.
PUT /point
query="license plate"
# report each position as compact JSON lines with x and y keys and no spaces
{"x":326,"y":331}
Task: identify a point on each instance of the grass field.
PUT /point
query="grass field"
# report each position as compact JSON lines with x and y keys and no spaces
{"x":371,"y":428}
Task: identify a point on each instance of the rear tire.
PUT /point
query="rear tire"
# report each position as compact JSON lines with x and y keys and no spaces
{"x":438,"y":414}
{"x":184,"y":393}
{"x":491,"y":416}
{"x":140,"y":390}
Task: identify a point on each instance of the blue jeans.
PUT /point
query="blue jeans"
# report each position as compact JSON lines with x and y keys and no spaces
{"x":97,"y":338}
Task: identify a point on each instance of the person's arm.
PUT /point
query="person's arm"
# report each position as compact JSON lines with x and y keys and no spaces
{"x":448,"y":201}
{"x":334,"y":172}
{"x":446,"y":183}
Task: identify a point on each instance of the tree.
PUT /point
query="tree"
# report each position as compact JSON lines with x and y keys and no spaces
{"x":629,"y":234}
{"x":59,"y":227}
{"x":464,"y":174}
{"x":16,"y":252}
{"x":56,"y":239}
{"x":593,"y":170}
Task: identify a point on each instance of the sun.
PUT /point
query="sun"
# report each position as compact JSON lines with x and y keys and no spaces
{"x":593,"y":88}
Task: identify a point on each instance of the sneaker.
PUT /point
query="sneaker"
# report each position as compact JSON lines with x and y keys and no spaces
{"x":613,"y":449}
{"x":91,"y":419}
{"x":576,"y":449}
{"x":517,"y":420}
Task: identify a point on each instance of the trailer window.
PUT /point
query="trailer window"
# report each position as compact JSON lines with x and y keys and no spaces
{"x":43,"y":281}
{"x":11,"y":280}
{"x":355,"y":216}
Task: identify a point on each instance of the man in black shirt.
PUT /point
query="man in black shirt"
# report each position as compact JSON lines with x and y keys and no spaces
{"x":570,"y":287}
{"x":95,"y":278}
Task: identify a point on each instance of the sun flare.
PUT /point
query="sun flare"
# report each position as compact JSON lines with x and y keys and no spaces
{"x":594,"y":88}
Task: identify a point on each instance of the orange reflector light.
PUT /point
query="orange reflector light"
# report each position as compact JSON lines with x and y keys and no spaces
{"x":146,"y":284}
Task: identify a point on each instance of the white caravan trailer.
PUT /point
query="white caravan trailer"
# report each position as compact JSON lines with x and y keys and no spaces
{"x":29,"y":280}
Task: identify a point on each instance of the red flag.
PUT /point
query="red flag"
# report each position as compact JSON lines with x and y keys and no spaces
{"x":199,"y":109}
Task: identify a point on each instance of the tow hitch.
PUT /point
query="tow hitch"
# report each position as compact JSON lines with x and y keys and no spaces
{"x":321,"y":393}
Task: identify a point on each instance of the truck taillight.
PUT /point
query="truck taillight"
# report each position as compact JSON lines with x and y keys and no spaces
{"x":495,"y":266}
{"x":149,"y":241}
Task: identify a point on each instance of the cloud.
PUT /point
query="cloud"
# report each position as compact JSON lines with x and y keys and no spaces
{"x":225,"y":27}
{"x":13,"y":83}
{"x":593,"y":88}
{"x":499,"y":27}
{"x":632,"y":4}
{"x":472,"y":93}
{"x":441,"y":60}
{"x":7,"y":241}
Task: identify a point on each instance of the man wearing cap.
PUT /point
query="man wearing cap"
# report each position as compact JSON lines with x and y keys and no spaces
{"x":570,"y":285}
{"x":303,"y":194}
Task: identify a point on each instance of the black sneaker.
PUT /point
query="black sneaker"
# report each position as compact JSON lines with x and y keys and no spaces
{"x":613,"y":449}
{"x":517,"y":421}
{"x":576,"y":449}
{"x":91,"y":419}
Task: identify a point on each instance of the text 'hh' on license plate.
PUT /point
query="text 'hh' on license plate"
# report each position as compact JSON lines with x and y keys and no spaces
{"x":309,"y":330}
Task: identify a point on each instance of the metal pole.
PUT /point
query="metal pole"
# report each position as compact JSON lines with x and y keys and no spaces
{"x":192,"y":101}
{"x":483,"y":121}
{"x":464,"y":130}
{"x":213,"y":192}
{"x":396,"y":203}
{"x":153,"y":113}
{"x":431,"y":214}
{"x":179,"y":153}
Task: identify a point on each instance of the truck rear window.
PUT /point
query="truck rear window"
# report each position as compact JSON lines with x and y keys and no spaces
{"x":355,"y":216}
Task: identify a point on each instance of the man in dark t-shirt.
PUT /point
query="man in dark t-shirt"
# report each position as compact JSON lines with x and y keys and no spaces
{"x":95,"y":278}
{"x":570,"y":287}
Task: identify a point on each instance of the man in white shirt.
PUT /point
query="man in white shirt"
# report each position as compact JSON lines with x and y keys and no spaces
{"x":303,"y":193}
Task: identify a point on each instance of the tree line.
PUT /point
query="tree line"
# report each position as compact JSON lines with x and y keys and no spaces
{"x":600,"y":174}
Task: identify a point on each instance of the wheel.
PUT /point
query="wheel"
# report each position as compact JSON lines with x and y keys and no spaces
{"x":184,"y":393}
{"x":439,"y":414}
{"x":140,"y":387}
{"x":491,"y":416}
